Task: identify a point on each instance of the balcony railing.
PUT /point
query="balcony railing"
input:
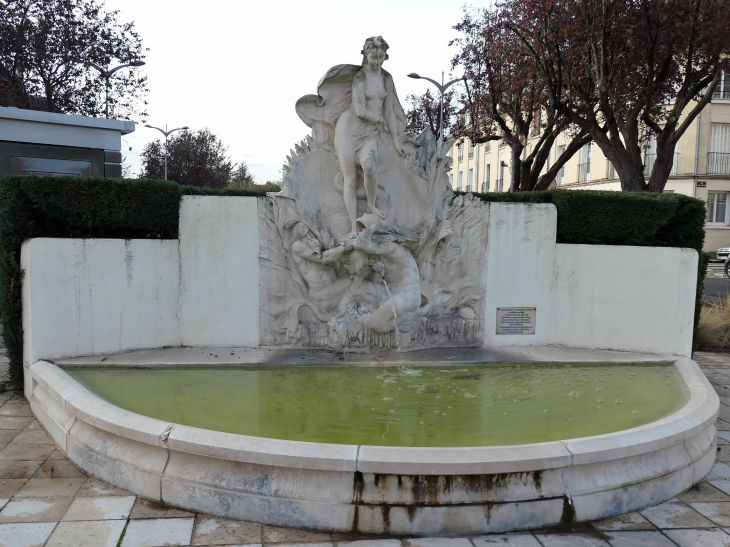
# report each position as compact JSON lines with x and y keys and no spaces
{"x":468,"y":188}
{"x":485,"y":188}
{"x":649,"y":160}
{"x":498,"y":185}
{"x":722,"y":94}
{"x":471,"y":152}
{"x":718,"y":163}
{"x":584,"y":172}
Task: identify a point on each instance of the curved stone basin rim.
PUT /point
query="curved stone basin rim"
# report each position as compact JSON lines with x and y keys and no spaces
{"x":123,"y":448}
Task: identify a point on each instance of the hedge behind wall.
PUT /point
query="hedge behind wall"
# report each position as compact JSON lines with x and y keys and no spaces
{"x":36,"y":206}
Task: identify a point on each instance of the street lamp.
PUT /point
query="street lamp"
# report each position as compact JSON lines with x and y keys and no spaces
{"x":167,"y":134}
{"x":107,"y":74}
{"x":442,"y":87}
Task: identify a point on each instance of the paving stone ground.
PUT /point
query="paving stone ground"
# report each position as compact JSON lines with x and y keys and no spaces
{"x":47,"y":502}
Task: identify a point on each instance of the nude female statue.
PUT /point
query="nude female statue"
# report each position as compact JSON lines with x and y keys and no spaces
{"x":357,"y":129}
{"x":353,"y":107}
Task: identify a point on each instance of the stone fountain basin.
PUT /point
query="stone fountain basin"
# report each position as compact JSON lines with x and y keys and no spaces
{"x":376,"y":489}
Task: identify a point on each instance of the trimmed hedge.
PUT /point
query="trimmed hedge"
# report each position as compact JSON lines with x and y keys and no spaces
{"x":36,"y":206}
{"x":620,"y":218}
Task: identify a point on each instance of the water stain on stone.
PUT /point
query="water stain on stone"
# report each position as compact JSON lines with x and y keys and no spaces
{"x":568,"y":516}
{"x":425,"y":489}
{"x":358,"y":487}
{"x":537,"y":480}
{"x":385,"y":512}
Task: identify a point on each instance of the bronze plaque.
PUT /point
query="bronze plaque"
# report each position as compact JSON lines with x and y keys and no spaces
{"x":516,"y":320}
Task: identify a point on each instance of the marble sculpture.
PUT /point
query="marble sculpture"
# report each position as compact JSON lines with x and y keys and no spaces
{"x":366,"y":246}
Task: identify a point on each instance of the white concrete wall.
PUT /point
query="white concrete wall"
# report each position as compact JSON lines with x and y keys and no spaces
{"x":219,"y":255}
{"x":520,"y":262}
{"x":96,"y":296}
{"x":86,"y":296}
{"x":625,"y":298}
{"x":591,"y":296}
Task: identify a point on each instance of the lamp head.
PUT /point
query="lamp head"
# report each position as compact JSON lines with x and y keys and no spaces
{"x":184,"y":128}
{"x":148,"y":125}
{"x":137,"y":63}
{"x":414,"y":76}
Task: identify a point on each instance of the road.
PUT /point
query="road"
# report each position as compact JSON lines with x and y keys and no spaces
{"x":716,"y":286}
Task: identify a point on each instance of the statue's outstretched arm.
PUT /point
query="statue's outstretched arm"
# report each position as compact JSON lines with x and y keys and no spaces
{"x":364,"y":242}
{"x":332,"y":255}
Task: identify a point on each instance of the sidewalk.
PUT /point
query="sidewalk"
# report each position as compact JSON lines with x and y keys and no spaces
{"x":47,"y":502}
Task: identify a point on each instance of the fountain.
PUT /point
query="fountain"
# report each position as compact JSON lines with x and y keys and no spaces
{"x":364,"y":351}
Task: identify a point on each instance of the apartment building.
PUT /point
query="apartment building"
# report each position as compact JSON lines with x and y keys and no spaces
{"x":701,"y":166}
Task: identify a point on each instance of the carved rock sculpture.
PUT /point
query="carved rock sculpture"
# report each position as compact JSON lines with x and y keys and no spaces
{"x":365,"y":245}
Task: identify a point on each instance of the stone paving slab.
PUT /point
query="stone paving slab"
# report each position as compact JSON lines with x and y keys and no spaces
{"x":104,"y":533}
{"x":45,"y":501}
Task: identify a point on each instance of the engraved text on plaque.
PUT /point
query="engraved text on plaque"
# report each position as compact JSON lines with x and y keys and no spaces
{"x":516,"y":320}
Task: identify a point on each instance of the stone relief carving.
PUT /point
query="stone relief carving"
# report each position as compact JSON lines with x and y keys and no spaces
{"x":365,"y":245}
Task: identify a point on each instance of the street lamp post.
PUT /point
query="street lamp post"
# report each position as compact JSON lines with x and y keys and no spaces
{"x":107,"y":74}
{"x":167,"y":134}
{"x":442,"y":87}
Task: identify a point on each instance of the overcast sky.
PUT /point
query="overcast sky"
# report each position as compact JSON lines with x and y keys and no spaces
{"x":238,"y":67}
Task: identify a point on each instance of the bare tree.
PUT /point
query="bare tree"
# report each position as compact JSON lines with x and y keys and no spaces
{"x":47,"y":52}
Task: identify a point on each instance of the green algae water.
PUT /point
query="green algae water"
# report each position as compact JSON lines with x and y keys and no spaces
{"x":432,"y":406}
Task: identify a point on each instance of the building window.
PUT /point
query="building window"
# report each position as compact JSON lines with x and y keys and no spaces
{"x":499,"y":186}
{"x":718,"y":159}
{"x":650,"y":158}
{"x":537,"y":126}
{"x":451,"y":180}
{"x":471,"y":149}
{"x":461,"y":181}
{"x":722,"y":91}
{"x":561,"y":174}
{"x":487,"y":177}
{"x":717,"y":207}
{"x":610,"y":170}
{"x":470,"y":181}
{"x":461,"y":152}
{"x":584,"y":167}
{"x":488,"y":146}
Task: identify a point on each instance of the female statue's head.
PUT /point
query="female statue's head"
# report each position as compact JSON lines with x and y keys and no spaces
{"x":374,"y":52}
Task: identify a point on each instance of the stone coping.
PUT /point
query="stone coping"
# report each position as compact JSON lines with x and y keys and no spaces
{"x":238,"y":355}
{"x":697,"y":415}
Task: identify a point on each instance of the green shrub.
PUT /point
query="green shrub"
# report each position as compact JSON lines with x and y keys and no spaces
{"x":37,"y":206}
{"x":620,"y":218}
